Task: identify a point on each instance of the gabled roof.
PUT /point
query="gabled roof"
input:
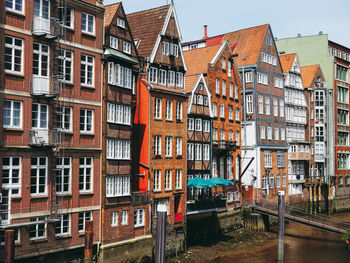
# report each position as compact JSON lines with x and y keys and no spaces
{"x":146,"y":25}
{"x":249,"y":42}
{"x":308,"y":74}
{"x":197,"y":60}
{"x":287,"y":61}
{"x":190,"y":81}
{"x":110,"y":11}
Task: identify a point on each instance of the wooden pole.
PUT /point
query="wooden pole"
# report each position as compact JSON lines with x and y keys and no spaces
{"x":161,"y":233}
{"x":9,"y":246}
{"x":88,"y":241}
{"x":281,"y":207}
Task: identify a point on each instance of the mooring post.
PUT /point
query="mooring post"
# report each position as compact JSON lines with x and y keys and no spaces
{"x":9,"y":246}
{"x":281,"y":207}
{"x":161,"y":233}
{"x":88,"y":241}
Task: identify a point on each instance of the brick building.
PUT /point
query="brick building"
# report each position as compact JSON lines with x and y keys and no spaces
{"x":161,"y":118}
{"x":124,"y":209}
{"x":51,"y":148}
{"x":218,"y":66}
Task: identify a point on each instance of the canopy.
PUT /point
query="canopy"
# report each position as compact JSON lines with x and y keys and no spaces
{"x":199,"y":183}
{"x":220,"y":181}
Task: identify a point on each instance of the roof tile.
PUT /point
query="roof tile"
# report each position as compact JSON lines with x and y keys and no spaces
{"x":110,"y":11}
{"x":308,"y":74}
{"x":287,"y":61}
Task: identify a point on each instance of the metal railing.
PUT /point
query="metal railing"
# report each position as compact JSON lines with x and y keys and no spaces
{"x":44,"y":137}
{"x":140,"y":198}
{"x":45,"y":86}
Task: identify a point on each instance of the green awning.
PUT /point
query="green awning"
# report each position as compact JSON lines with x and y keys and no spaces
{"x":199,"y":183}
{"x":220,"y":181}
{"x":115,"y":53}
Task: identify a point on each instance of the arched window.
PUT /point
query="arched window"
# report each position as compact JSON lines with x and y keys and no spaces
{"x":347,"y":179}
{"x":340,"y":180}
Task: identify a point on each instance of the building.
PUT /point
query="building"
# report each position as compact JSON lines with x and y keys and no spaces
{"x":299,"y":152}
{"x":124,"y":209}
{"x":264,"y":146}
{"x":218,"y":66}
{"x":317,"y":131}
{"x":51,"y":148}
{"x":334,"y":59}
{"x":161,"y":119}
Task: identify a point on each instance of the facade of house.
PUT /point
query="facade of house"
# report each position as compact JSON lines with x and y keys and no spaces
{"x":161,"y":118}
{"x":51,"y":148}
{"x":125,"y":210}
{"x":299,"y":152}
{"x":218,"y":65}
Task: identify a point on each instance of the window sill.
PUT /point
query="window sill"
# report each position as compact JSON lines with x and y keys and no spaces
{"x":16,"y":198}
{"x":168,"y":190}
{"x":139,"y":226}
{"x":179,"y":157}
{"x":85,"y":86}
{"x":38,"y":196}
{"x":14,"y":12}
{"x":63,"y":236}
{"x":38,"y":240}
{"x":168,"y":157}
{"x":69,"y":28}
{"x":86,"y":134}
{"x":64,"y":195}
{"x":179,"y":121}
{"x":15,"y":74}
{"x":66,"y":132}
{"x":13,"y":129}
{"x":157,"y":191}
{"x":158,"y":119}
{"x":169,"y":120}
{"x":88,"y":34}
{"x":157,"y":157}
{"x":86,"y":193}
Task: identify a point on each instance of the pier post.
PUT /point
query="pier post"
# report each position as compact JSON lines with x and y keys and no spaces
{"x":161,"y":233}
{"x":319,"y":198}
{"x":310,"y":198}
{"x":9,"y":246}
{"x":281,"y":208}
{"x":88,"y":241}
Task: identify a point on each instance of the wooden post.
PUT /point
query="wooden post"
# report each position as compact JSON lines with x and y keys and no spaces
{"x":281,"y":207}
{"x":310,"y":198}
{"x":9,"y":246}
{"x":161,"y":233}
{"x":88,"y":241}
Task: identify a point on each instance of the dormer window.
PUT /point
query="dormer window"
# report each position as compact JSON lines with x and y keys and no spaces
{"x":120,"y":22}
{"x":165,"y":48}
{"x":113,"y":42}
{"x":170,"y":49}
{"x":179,"y":79}
{"x":127,"y":47}
{"x":153,"y":75}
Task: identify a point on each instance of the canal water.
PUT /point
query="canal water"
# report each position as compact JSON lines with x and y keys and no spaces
{"x":303,"y":244}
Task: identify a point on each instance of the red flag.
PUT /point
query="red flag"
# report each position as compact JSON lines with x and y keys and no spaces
{"x":234,"y":46}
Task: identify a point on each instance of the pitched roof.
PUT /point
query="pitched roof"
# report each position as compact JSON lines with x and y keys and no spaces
{"x":197,"y":59}
{"x":287,"y":61}
{"x":146,"y":25}
{"x":110,"y":11}
{"x":190,"y":81}
{"x":308,"y":74}
{"x":249,"y":42}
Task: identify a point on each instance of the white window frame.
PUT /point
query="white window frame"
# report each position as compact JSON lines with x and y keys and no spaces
{"x":262,"y":132}
{"x":190,"y":151}
{"x":222,"y":111}
{"x":113,"y":42}
{"x":88,"y":68}
{"x":178,"y":179}
{"x":157,"y":145}
{"x":179,"y":111}
{"x":125,"y":216}
{"x":217,"y":86}
{"x":249,"y":104}
{"x":64,"y":21}
{"x":158,"y":108}
{"x":86,"y":173}
{"x":248,"y":77}
{"x":277,"y":134}
{"x":38,"y":227}
{"x":231,"y":91}
{"x":171,"y":78}
{"x":11,"y":185}
{"x":179,"y":79}
{"x":206,"y":152}
{"x":66,"y":114}
{"x":169,"y":110}
{"x":190,"y":124}
{"x":82,"y":218}
{"x":43,"y":60}
{"x":282,"y":108}
{"x":157,"y":186}
{"x":198,"y":124}
{"x":13,"y":48}
{"x":127,"y":47}
{"x":206,"y":126}
{"x":39,"y":167}
{"x":198,"y":152}
{"x":11,"y":115}
{"x":65,"y":62}
{"x":84,"y":126}
{"x":85,"y":28}
{"x":114,"y":219}
{"x":121,"y":22}
{"x":162,"y":77}
{"x":38,"y":116}
{"x":168,"y":180}
{"x":139,"y":217}
{"x":13,"y":6}
{"x":168,"y":146}
{"x":178,"y":146}
{"x":275,"y":107}
{"x":269,"y":133}
{"x":61,"y":225}
{"x":261,"y":104}
{"x":61,"y":174}
{"x":117,"y":186}
{"x":267,"y":159}
{"x":267,"y":106}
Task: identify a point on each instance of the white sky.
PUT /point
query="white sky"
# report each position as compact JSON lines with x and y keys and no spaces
{"x":287,"y":17}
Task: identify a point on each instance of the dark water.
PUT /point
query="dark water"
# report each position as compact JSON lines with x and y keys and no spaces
{"x":303,"y":244}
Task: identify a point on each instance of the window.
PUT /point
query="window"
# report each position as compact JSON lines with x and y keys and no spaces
{"x":230,"y":135}
{"x":269,"y":133}
{"x":118,"y":149}
{"x":179,"y":111}
{"x":222,"y":111}
{"x":206,"y":152}
{"x":199,"y":100}
{"x":205,"y":100}
{"x":277,"y":134}
{"x":38,"y":176}
{"x":87,"y":70}
{"x":178,"y":146}
{"x":267,"y":106}
{"x":231,"y":90}
{"x":198,"y":152}
{"x":262,"y":133}
{"x":206,"y":126}
{"x":139,"y":217}
{"x":64,"y":118}
{"x":278,"y":181}
{"x":340,"y":180}
{"x":39,"y":116}
{"x":169,"y":110}
{"x":261,"y":105}
{"x":223,"y":64}
{"x":114,"y":219}
{"x":87,"y":23}
{"x":229,"y":168}
{"x":157,"y":145}
{"x":157,"y":180}
{"x":278,"y":83}
{"x":268,"y":159}
{"x":63,"y":225}
{"x":127,"y":47}
{"x":38,"y":230}
{"x":249,"y":104}
{"x":215,"y":134}
{"x":248,"y":77}
{"x":236,"y":92}
{"x":11,"y":176}
{"x":341,"y":73}
{"x":262,"y":78}
{"x":168,"y":146}
{"x":120,"y":76}
{"x":214,"y":167}
{"x":343,"y":94}
{"x":217,"y":86}
{"x":165,"y":48}
{"x":12,"y":114}
{"x":343,"y":161}
{"x":66,"y":16}
{"x":113,"y":42}
{"x":86,"y":121}
{"x":237,"y":114}
{"x":118,"y":114}
{"x":190,"y":124}
{"x":85,"y":174}
{"x":83,"y":217}
{"x":168,"y":181}
{"x":215,"y":109}
{"x":125,"y":216}
{"x":40,"y":60}
{"x":158,"y":108}
{"x":230,"y":112}
{"x":284,"y":180}
{"x":264,"y":182}
{"x":282,"y":108}
{"x":117,"y":186}
{"x":178,"y":179}
{"x":275,"y":107}
{"x":237,"y":138}
{"x":152,"y":75}
{"x":15,"y":6}
{"x":222,"y":134}
{"x":179,"y":79}
{"x":13,"y":54}
{"x":269,"y":41}
{"x":343,"y":138}
{"x":162,"y":77}
{"x":271,"y":181}
{"x":283,"y":134}
{"x":171,"y":78}
{"x":280,"y":159}
{"x":190,"y":151}
{"x":229,"y":68}
{"x":223,"y":87}
{"x":63,"y":175}
{"x":121,"y":22}
{"x":65,"y":65}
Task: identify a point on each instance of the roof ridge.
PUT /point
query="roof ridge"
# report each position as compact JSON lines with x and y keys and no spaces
{"x":112,"y":4}
{"x":154,"y":8}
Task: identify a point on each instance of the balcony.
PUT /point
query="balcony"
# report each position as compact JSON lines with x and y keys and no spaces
{"x":48,"y":27}
{"x":45,"y":86}
{"x":314,"y":180}
{"x":299,"y":156}
{"x":44,"y":137}
{"x":224,"y":145}
{"x":140,"y":198}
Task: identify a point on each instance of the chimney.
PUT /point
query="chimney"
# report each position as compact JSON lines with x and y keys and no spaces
{"x":205,"y":32}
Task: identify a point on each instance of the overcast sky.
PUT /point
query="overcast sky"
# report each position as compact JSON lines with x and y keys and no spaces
{"x":287,"y":17}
